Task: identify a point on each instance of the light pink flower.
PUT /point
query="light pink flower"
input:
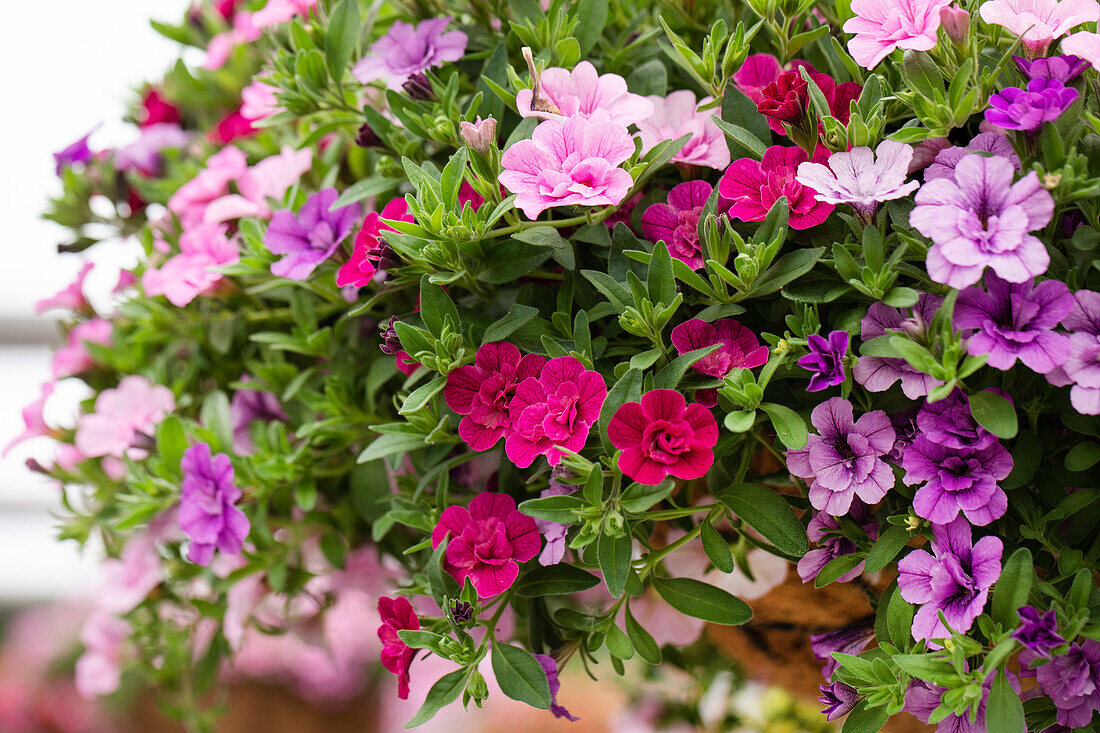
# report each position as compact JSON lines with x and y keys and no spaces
{"x":244,"y":30}
{"x":407,"y":49}
{"x":33,"y":421}
{"x":71,"y":297}
{"x":74,"y":357}
{"x":280,"y":11}
{"x":189,"y":273}
{"x":192,"y":198}
{"x":268,"y":179}
{"x":130,"y":577}
{"x":98,"y":670}
{"x":571,"y":162}
{"x":583,"y":93}
{"x":678,"y":114}
{"x":1039,"y":22}
{"x":136,"y":405}
{"x":1083,"y":44}
{"x":258,"y":101}
{"x":880,"y":26}
{"x":860,"y":178}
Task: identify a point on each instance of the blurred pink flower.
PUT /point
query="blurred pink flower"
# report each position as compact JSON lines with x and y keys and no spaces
{"x":188,"y":275}
{"x":189,"y":202}
{"x":280,"y":11}
{"x":71,"y":297}
{"x":583,"y":93}
{"x":74,"y":357}
{"x":677,"y":115}
{"x":258,"y":101}
{"x":136,"y":405}
{"x":268,"y":179}
{"x":98,"y":670}
{"x":130,"y":577}
{"x":33,"y":421}
{"x":220,"y":47}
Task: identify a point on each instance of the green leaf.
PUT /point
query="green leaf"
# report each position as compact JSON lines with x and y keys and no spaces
{"x":699,"y":600}
{"x":899,"y":619}
{"x":214,"y":416}
{"x":1083,"y":456}
{"x":639,"y":497}
{"x":1003,"y":710}
{"x":670,"y":375}
{"x":171,"y":441}
{"x":510,"y":260}
{"x":788,"y":268}
{"x":661,"y":284}
{"x":865,"y":720}
{"x":436,"y":306}
{"x":341,"y":37}
{"x":386,"y":445}
{"x":1013,"y":587}
{"x":835,"y":568}
{"x":886,"y":547}
{"x":789,"y":425}
{"x":562,"y":509}
{"x":591,"y":17}
{"x":422,"y":395}
{"x":769,"y":514}
{"x":445,"y":691}
{"x":618,"y":643}
{"x":740,"y":139}
{"x":613,"y":554}
{"x":627,"y":389}
{"x":740,"y":111}
{"x":520,"y":675}
{"x":555,"y":580}
{"x":994,"y":413}
{"x":516,"y":318}
{"x":643,"y":642}
{"x":717,"y":548}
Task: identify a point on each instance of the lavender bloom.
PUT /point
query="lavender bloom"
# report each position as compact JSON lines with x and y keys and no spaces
{"x":76,"y":152}
{"x":1082,"y":367}
{"x":1044,"y":100}
{"x":846,"y":640}
{"x":838,"y":699}
{"x":1016,"y":321}
{"x":825,"y":360}
{"x":878,"y":373}
{"x":247,"y":406}
{"x":957,"y":480}
{"x":1037,"y":632}
{"x":955,"y":580}
{"x":985,"y":142}
{"x":1064,"y":68}
{"x":861,"y":178}
{"x":1072,"y":681}
{"x":554,"y":532}
{"x":550,"y":667}
{"x":824,"y":531}
{"x":208,"y":511}
{"x":950,"y":423}
{"x":845,"y":459}
{"x":407,"y":49}
{"x":922,"y":699}
{"x":144,"y":155}
{"x":310,"y":237}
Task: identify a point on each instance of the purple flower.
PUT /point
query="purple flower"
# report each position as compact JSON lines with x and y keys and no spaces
{"x":861,"y":178}
{"x":845,"y":459}
{"x":846,"y":640}
{"x":553,"y":532}
{"x":144,"y":155}
{"x":1082,"y":367}
{"x":1016,"y":321}
{"x":957,"y":480}
{"x":76,"y":152}
{"x":208,"y":511}
{"x":309,"y":237}
{"x":878,"y":373}
{"x":955,"y":580}
{"x":1063,"y":68}
{"x":824,"y":531}
{"x":825,"y":360}
{"x":981,"y":218}
{"x":985,"y":142}
{"x":838,"y":699}
{"x":1037,"y":632}
{"x":247,"y":406}
{"x":550,"y":667}
{"x":406,"y":50}
{"x":1044,"y":100}
{"x":906,"y":431}
{"x":677,"y":222}
{"x":950,"y":423}
{"x":922,"y":699}
{"x":1072,"y":681}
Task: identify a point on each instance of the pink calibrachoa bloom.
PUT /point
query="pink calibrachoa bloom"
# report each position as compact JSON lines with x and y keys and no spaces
{"x":758,"y":71}
{"x":1083,"y":44}
{"x":738,"y":346}
{"x":280,"y":11}
{"x":71,"y":297}
{"x":860,"y":178}
{"x":258,"y":101}
{"x":98,"y":669}
{"x":554,"y":411}
{"x":34,"y":423}
{"x":397,"y":656}
{"x":677,"y":115}
{"x":360,"y":268}
{"x":880,"y":26}
{"x":221,"y":46}
{"x":134,"y":406}
{"x":676,"y":223}
{"x":192,"y":198}
{"x":268,"y":179}
{"x":74,"y":357}
{"x":190,"y":274}
{"x":407,"y":49}
{"x":488,"y":541}
{"x":208,"y":511}
{"x":663,"y":436}
{"x":482,"y":392}
{"x":755,"y":185}
{"x":570,"y":162}
{"x":584,"y":93}
{"x":1039,"y":22}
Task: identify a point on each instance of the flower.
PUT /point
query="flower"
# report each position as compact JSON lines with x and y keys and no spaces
{"x":75,"y":152}
{"x":838,"y":699}
{"x":129,"y":578}
{"x":98,"y":669}
{"x":1039,"y":22}
{"x":922,"y":699}
{"x":71,"y":297}
{"x":550,"y":667}
{"x":677,"y":115}
{"x":220,"y":48}
{"x":34,"y":421}
{"x":663,"y":436}
{"x":280,"y":11}
{"x":586,"y":94}
{"x":144,"y":154}
{"x":955,"y":579}
{"x":1064,"y":68}
{"x":553,"y":411}
{"x":861,"y":178}
{"x":878,"y":374}
{"x":956,"y":23}
{"x":397,"y":656}
{"x":824,"y":531}
{"x":310,"y":237}
{"x":846,"y":640}
{"x":483,"y":391}
{"x":844,"y":460}
{"x":248,"y":406}
{"x":787,"y":99}
{"x":1072,"y":681}
{"x":155,"y":109}
{"x":1016,"y":321}
{"x":233,"y":126}
{"x":1082,"y":367}
{"x":1085,"y":45}
{"x":258,"y":101}
{"x":738,"y":347}
{"x":553,"y":532}
{"x":488,"y":541}
{"x":985,"y":142}
{"x":189,"y":202}
{"x":190,"y":273}
{"x":676,"y":223}
{"x":754,"y":187}
{"x":1038,"y":632}
{"x":208,"y":505}
{"x":268,"y":179}
{"x":1044,"y":100}
{"x":570,"y":162}
{"x":757,"y":72}
{"x":957,"y":479}
{"x":480,"y":135}
{"x":825,"y":360}
{"x":981,"y":219}
{"x":950,"y":423}
{"x":407,"y":49}
{"x":880,"y":26}
{"x":74,"y":357}
{"x":360,"y":268}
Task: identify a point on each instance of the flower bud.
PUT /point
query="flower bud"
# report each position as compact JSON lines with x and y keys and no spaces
{"x":368,"y":138}
{"x":419,"y":88}
{"x":956,"y":22}
{"x":391,"y":344}
{"x":480,"y":135}
{"x":462,"y":612}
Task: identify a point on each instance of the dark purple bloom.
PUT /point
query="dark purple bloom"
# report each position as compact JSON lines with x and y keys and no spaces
{"x":1082,"y":368}
{"x":1016,"y":321}
{"x":1063,"y":68}
{"x":391,"y":343}
{"x":367,"y":137}
{"x":76,"y":152}
{"x":838,"y":699}
{"x":825,"y":360}
{"x":1072,"y":681}
{"x":418,"y":87}
{"x":247,"y":406}
{"x":905,"y":431}
{"x":878,"y":373}
{"x":950,"y":423}
{"x":550,"y":667}
{"x":1044,"y":100}
{"x":986,"y":142}
{"x":845,"y":459}
{"x":824,"y":530}
{"x":922,"y":699}
{"x":208,"y":505}
{"x":309,"y":237}
{"x":1037,"y":632}
{"x":955,"y":579}
{"x":957,"y":480}
{"x":846,"y":640}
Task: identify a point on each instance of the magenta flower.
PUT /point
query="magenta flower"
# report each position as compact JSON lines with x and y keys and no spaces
{"x":34,"y":422}
{"x":825,"y":360}
{"x":846,"y":640}
{"x":985,"y":142}
{"x":553,"y":411}
{"x":407,"y":49}
{"x":189,"y":202}
{"x":268,"y":179}
{"x":955,"y":579}
{"x":677,"y":115}
{"x":208,"y":505}
{"x":1039,"y":22}
{"x":74,"y":357}
{"x":824,"y":531}
{"x":571,"y":162}
{"x":1044,"y":100}
{"x":1082,"y":367}
{"x":71,"y":297}
{"x":483,"y":392}
{"x":397,"y":656}
{"x":676,"y":223}
{"x":980,"y":219}
{"x":787,"y":99}
{"x":878,"y":374}
{"x":75,"y":152}
{"x":248,"y":406}
{"x":308,"y":238}
{"x":758,"y":71}
{"x":844,"y":460}
{"x":739,"y":347}
{"x":1038,"y":632}
{"x":957,"y":480}
{"x":754,"y":186}
{"x":488,"y":541}
{"x":190,"y":273}
{"x":663,"y":436}
{"x":550,"y":667}
{"x":1072,"y":681}
{"x":880,"y":26}
{"x":584,"y":93}
{"x":134,"y":406}
{"x":950,"y":423}
{"x":861,"y":178}
{"x":1064,"y":68}
{"x":360,"y":268}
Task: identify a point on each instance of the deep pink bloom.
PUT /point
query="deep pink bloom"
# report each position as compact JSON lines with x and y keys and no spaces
{"x":268,"y":179}
{"x":554,"y":411}
{"x":360,"y":268}
{"x":584,"y":93}
{"x":984,"y":142}
{"x":787,"y":99}
{"x":258,"y":101}
{"x":663,"y":436}
{"x":407,"y":49}
{"x":155,"y":109}
{"x":488,"y":541}
{"x":677,"y":115}
{"x":134,"y":406}
{"x":189,"y":202}
{"x":676,"y":223}
{"x":758,"y":71}
{"x":308,"y":238}
{"x":34,"y":423}
{"x":1039,"y":22}
{"x":405,"y":363}
{"x":571,"y":162}
{"x":880,"y":26}
{"x":190,"y":274}
{"x":71,"y":297}
{"x":738,"y":346}
{"x":208,"y":511}
{"x":234,"y":126}
{"x":74,"y":357}
{"x":878,"y":373}
{"x":754,"y":186}
{"x":397,"y":656}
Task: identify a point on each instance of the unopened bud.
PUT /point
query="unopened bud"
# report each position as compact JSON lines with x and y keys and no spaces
{"x":480,"y":135}
{"x":35,"y":466}
{"x":419,"y":88}
{"x":391,"y":344}
{"x":462,"y":612}
{"x":368,"y":138}
{"x":1051,"y":181}
{"x":956,"y":22}
{"x":913,"y":523}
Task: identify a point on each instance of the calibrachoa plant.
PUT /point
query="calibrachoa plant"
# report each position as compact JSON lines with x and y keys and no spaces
{"x":473,"y":320}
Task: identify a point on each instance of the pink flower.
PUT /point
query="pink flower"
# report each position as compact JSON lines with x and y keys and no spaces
{"x":554,"y":411}
{"x":1084,"y":44}
{"x":584,"y":93}
{"x":258,"y":101}
{"x":758,"y":71}
{"x":397,"y":656}
{"x":218,"y":51}
{"x":880,"y":26}
{"x":358,"y":271}
{"x":268,"y":179}
{"x":130,"y":577}
{"x":98,"y":670}
{"x":232,"y":127}
{"x":861,"y":178}
{"x":189,"y":273}
{"x":677,"y":115}
{"x":406,"y":50}
{"x":738,"y":347}
{"x":71,"y":297}
{"x":663,"y":436}
{"x":135,"y":406}
{"x":33,"y":420}
{"x":280,"y":11}
{"x":677,"y":222}
{"x":1039,"y":22}
{"x":74,"y":357}
{"x":192,"y":198}
{"x":488,"y":541}
{"x":483,"y":392}
{"x":754,"y":186}
{"x":572,"y":162}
